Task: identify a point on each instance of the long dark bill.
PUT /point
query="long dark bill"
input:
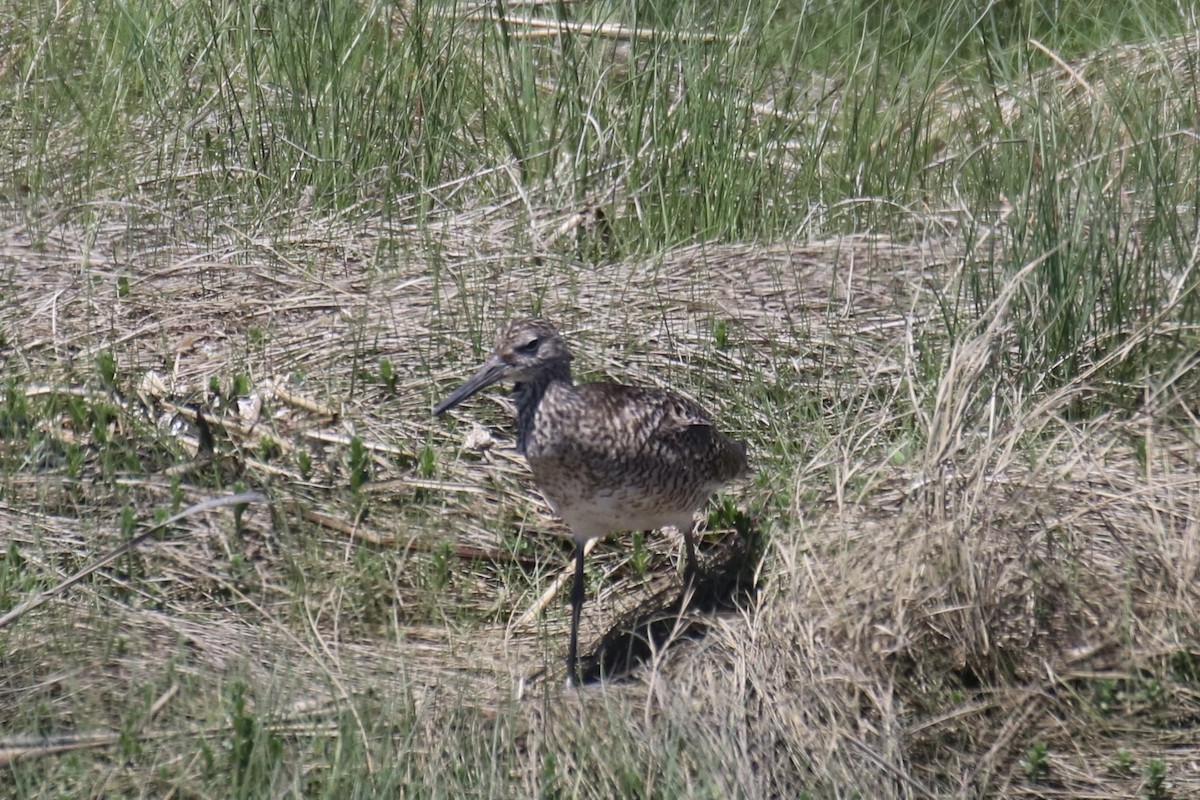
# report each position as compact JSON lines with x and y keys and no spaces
{"x":491,"y":372}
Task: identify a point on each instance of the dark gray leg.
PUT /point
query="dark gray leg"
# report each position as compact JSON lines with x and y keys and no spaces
{"x":692,"y":564}
{"x":577,"y":594}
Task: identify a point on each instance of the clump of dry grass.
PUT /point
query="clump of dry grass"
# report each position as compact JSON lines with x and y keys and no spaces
{"x":1032,"y":585}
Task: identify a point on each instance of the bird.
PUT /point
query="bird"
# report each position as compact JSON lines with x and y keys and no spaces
{"x":608,"y":457}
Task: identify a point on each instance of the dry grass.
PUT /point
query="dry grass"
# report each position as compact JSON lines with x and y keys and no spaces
{"x":954,"y":571}
{"x":920,"y":624}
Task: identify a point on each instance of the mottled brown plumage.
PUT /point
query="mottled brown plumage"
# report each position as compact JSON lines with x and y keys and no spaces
{"x":608,"y":457}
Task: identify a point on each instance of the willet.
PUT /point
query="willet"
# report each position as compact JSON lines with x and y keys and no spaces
{"x":607,"y":457}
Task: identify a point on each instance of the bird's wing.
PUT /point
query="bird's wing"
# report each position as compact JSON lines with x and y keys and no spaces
{"x":649,"y":411}
{"x":667,"y":426}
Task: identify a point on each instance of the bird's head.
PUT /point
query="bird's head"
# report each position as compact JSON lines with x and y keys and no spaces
{"x":524,"y":350}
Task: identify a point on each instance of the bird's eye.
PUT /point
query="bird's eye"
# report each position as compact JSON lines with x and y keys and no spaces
{"x":529,"y":348}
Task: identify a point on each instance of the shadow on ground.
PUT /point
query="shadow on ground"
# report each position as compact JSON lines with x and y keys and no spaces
{"x":726,"y":581}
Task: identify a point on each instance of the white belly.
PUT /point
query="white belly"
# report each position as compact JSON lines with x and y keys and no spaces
{"x":590,"y":512}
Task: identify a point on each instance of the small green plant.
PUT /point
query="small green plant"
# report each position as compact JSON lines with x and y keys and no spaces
{"x":427,"y":462}
{"x":1036,"y":763}
{"x":79,"y":412}
{"x":241,"y":385}
{"x":176,"y":493}
{"x":268,"y":448}
{"x":1153,"y":693}
{"x":128,"y":522}
{"x":552,"y":779}
{"x":721,"y":334}
{"x":208,"y":758}
{"x":373,"y":587}
{"x":639,"y":556}
{"x":1185,"y":667}
{"x":1110,"y":695}
{"x":723,"y":514}
{"x":439,"y":575}
{"x":305,"y":463}
{"x":128,"y":530}
{"x":1155,"y":786}
{"x":12,"y":567}
{"x":102,"y":416}
{"x":239,"y":569}
{"x":1139,"y":451}
{"x":14,"y":411}
{"x":359,"y":464}
{"x":129,"y":742}
{"x":1123,"y":763}
{"x":1105,"y":695}
{"x":387,"y":375}
{"x":76,"y":456}
{"x":122,"y":286}
{"x":161,"y":513}
{"x":253,"y":751}
{"x":106,"y":365}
